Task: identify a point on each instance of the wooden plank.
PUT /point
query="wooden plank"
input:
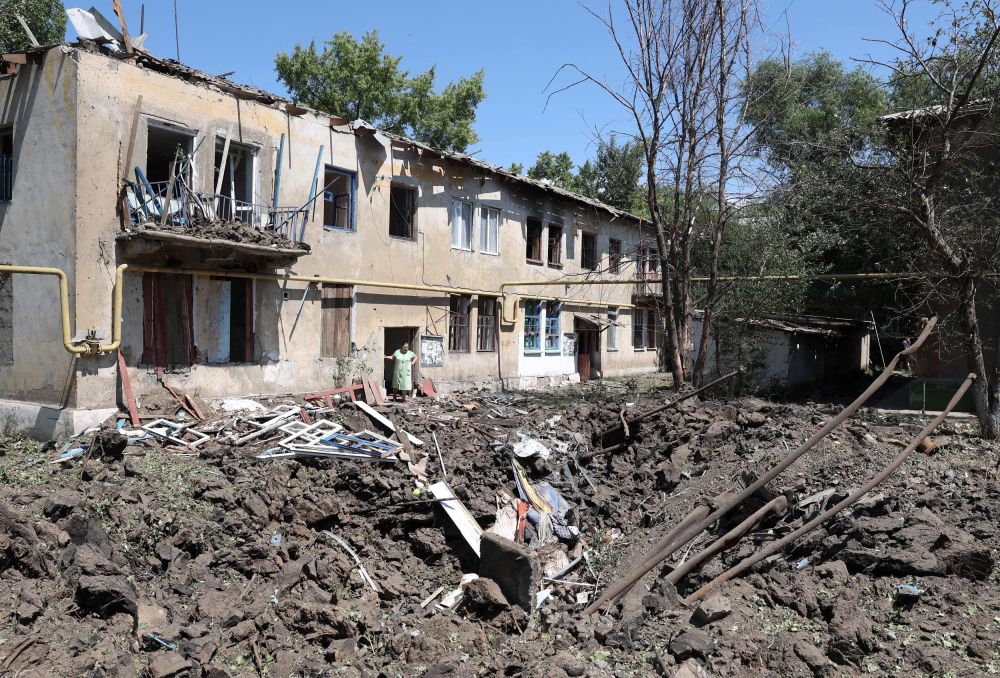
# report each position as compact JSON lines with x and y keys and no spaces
{"x":459,"y":515}
{"x":376,"y":390}
{"x":371,"y":412}
{"x":133,"y":410}
{"x":117,"y":5}
{"x":427,"y":388}
{"x":200,"y":413}
{"x":369,"y":396}
{"x":180,"y":401}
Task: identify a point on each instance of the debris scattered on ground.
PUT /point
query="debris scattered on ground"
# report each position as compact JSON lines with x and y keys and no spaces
{"x":260,"y":539}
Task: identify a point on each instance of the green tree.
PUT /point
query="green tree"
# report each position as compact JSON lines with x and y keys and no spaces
{"x":45,"y":18}
{"x":617,"y":173}
{"x":358,"y":79}
{"x":815,"y":123}
{"x":556,"y":167}
{"x":613,"y":176}
{"x":815,"y":109}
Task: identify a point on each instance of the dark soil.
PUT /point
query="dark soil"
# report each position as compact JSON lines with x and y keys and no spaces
{"x":153,"y":560}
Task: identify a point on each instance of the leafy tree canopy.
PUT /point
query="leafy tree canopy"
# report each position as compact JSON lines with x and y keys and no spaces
{"x":612,"y":176}
{"x":45,"y":18}
{"x":811,"y":109}
{"x":358,"y":79}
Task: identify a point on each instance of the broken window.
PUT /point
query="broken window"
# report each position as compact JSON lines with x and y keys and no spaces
{"x":6,"y":319}
{"x":532,"y":325}
{"x":534,"y":240}
{"x":486,"y":324}
{"x":237,"y":187}
{"x":402,"y":211}
{"x":230,"y":305}
{"x":612,"y":334}
{"x":555,"y":245}
{"x":614,"y":256}
{"x":338,"y":301}
{"x":167,"y":146}
{"x":649,"y":259}
{"x":338,"y":198}
{"x":489,"y":230}
{"x":461,"y":224}
{"x":6,"y":163}
{"x":639,"y":329}
{"x":644,"y":334}
{"x":168,"y":333}
{"x":552,"y":326}
{"x":458,"y":323}
{"x":588,"y":251}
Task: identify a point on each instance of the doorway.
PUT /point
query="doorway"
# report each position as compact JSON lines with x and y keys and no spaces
{"x":394,"y":338}
{"x":588,"y":349}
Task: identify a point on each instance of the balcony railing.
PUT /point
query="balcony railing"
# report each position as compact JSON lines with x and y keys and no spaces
{"x":147,"y":202}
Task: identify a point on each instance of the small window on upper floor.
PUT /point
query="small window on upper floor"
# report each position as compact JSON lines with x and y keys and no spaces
{"x":489,"y":230}
{"x":6,"y":163}
{"x":461,"y":225}
{"x":533,"y":238}
{"x":403,"y":212}
{"x":338,"y":198}
{"x":555,"y":245}
{"x":588,"y":251}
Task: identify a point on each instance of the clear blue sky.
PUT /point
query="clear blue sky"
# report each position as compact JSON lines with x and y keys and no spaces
{"x":519,"y":43}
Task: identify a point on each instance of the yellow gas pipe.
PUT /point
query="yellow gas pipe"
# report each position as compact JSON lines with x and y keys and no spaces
{"x":94,"y":348}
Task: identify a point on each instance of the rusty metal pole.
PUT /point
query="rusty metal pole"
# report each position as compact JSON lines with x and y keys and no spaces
{"x":666,"y":406}
{"x":777,"y":546}
{"x":778,"y":505}
{"x":659,"y":556}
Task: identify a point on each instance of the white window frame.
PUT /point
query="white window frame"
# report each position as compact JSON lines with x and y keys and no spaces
{"x":468,"y":222}
{"x":612,"y":336}
{"x":485,"y":211}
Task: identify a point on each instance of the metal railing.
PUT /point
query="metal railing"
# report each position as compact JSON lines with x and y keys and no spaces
{"x":6,"y":177}
{"x":148,"y":201}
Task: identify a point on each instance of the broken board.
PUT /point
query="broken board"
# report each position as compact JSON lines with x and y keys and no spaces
{"x":459,"y":515}
{"x":371,"y":412}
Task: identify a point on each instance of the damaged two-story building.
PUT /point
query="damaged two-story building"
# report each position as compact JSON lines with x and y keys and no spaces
{"x":233,"y":243}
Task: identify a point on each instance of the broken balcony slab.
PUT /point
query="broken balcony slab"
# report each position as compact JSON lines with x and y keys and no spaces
{"x":169,"y":248}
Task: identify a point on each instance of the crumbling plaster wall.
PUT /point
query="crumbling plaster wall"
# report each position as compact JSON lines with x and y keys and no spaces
{"x":111,"y":111}
{"x":37,"y":225}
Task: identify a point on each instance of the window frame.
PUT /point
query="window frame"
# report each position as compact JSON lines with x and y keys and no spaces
{"x":7,"y":190}
{"x":471,"y":228}
{"x":486,"y":332}
{"x":528,"y":224}
{"x":353,"y":176}
{"x":557,"y":261}
{"x":412,"y":190}
{"x":639,"y":329}
{"x":553,"y":328}
{"x":532,"y":313}
{"x":458,"y":323}
{"x":614,"y":257}
{"x":651,"y":333}
{"x":595,"y":260}
{"x":611,"y":340}
{"x":484,"y":212}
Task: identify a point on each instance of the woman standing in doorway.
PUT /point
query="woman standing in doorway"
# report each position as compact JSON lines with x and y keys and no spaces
{"x":402,"y":371}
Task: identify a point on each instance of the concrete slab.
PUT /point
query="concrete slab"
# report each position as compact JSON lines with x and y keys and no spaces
{"x":514,"y":567}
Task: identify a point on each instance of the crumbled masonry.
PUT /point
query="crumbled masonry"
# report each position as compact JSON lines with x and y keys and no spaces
{"x":259,"y":551}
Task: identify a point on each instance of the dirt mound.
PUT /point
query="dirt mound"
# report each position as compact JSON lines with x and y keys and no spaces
{"x":161,"y":559}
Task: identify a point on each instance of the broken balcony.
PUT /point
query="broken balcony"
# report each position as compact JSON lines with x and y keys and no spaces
{"x":169,"y":224}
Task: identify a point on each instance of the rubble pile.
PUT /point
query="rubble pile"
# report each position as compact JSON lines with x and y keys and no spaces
{"x":466,"y":535}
